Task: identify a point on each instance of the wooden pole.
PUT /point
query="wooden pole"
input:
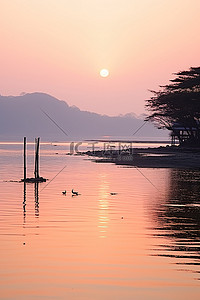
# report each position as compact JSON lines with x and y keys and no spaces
{"x":38,"y":146}
{"x":24,"y":158}
{"x":37,"y":143}
{"x":35,"y":172}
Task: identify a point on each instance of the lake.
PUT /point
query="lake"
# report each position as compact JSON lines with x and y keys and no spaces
{"x":130,"y":234}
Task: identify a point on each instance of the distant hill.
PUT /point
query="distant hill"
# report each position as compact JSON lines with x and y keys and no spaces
{"x":35,"y":115}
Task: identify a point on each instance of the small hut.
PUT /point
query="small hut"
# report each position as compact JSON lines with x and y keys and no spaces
{"x":183,"y":134}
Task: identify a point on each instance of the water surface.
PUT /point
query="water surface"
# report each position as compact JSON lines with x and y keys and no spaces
{"x":142,"y":243}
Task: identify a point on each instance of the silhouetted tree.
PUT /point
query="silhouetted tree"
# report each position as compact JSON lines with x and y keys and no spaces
{"x":178,"y":103}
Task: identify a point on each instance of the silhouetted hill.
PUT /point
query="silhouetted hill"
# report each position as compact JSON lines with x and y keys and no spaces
{"x":25,"y":116}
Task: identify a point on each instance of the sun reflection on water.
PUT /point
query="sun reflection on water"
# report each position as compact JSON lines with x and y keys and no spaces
{"x":103,"y":205}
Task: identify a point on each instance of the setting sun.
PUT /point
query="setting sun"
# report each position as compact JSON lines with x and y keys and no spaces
{"x":104,"y":73}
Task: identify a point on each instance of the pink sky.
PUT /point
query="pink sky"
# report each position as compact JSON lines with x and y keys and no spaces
{"x":59,"y":47}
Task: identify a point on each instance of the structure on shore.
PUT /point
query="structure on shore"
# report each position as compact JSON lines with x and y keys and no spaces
{"x":37,"y":178}
{"x":184,"y":135}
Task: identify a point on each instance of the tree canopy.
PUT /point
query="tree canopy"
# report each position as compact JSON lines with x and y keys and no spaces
{"x":178,"y":103}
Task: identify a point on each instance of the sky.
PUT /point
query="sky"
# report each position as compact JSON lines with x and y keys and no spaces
{"x":59,"y":47}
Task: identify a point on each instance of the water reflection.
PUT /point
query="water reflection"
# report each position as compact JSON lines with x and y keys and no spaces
{"x":24,"y":203}
{"x":103,"y":206}
{"x":178,"y":220}
{"x":36,"y":200}
{"x":36,"y":194}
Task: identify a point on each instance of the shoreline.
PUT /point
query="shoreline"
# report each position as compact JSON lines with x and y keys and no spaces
{"x":161,"y":157}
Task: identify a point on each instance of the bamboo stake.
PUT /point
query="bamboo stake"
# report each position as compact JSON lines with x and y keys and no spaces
{"x":35,"y":172}
{"x":38,"y":146}
{"x":24,"y":158}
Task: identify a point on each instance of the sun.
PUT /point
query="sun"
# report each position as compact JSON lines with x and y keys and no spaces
{"x":104,"y":73}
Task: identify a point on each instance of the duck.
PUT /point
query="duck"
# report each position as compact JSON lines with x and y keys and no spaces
{"x":64,"y":193}
{"x":113,"y":194}
{"x":74,"y":193}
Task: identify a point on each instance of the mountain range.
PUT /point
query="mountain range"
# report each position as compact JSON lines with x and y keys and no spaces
{"x":39,"y":114}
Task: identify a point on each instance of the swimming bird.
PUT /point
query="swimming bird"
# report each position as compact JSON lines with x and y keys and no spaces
{"x":113,"y":194}
{"x":64,"y":193}
{"x":74,"y":193}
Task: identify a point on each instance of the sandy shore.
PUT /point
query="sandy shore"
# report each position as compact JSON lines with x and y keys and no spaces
{"x":162,"y":157}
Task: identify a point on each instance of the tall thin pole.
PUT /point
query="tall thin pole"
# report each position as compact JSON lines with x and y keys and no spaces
{"x":35,"y":172}
{"x":38,"y":146}
{"x":24,"y":158}
{"x":37,"y":143}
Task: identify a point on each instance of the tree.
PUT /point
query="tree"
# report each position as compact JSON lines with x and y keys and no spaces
{"x":178,"y":104}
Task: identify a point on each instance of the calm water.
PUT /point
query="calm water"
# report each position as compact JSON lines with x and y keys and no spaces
{"x":142,"y":243}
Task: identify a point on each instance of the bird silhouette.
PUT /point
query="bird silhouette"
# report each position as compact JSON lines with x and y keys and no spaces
{"x":64,"y":193}
{"x":74,"y":193}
